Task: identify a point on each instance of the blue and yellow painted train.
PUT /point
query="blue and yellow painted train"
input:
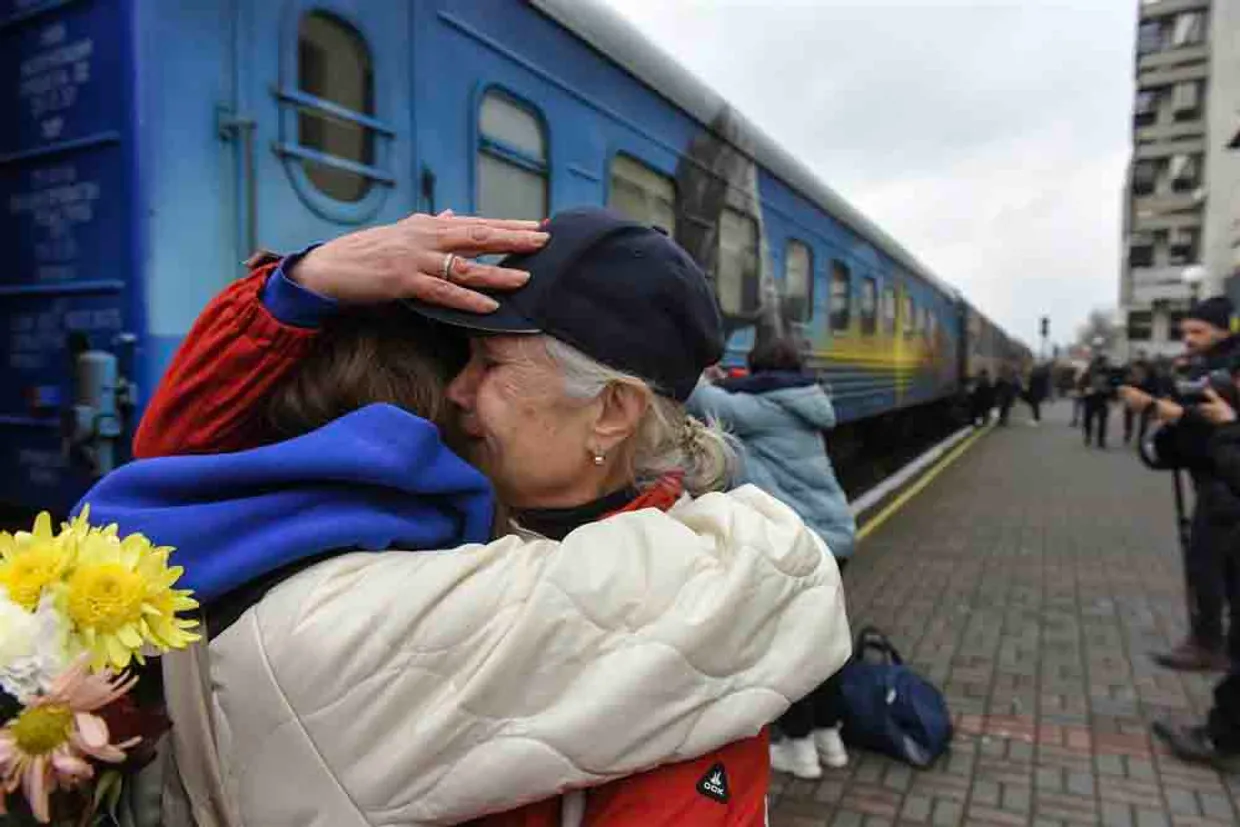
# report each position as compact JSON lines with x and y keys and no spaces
{"x":150,"y":146}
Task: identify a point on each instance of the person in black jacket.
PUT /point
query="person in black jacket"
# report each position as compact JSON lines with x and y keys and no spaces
{"x":1140,"y":374}
{"x":1183,"y":442}
{"x":1217,"y":740}
{"x":1038,"y":391}
{"x":982,"y":401}
{"x":1097,"y":391}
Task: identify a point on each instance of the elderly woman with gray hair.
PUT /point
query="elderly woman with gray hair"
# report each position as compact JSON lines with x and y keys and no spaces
{"x":612,"y":661}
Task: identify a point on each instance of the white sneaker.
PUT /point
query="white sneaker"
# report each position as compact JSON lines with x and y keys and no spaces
{"x":797,"y":756}
{"x":830,"y":747}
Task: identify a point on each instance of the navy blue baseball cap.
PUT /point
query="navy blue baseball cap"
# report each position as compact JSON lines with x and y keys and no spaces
{"x":622,"y":293}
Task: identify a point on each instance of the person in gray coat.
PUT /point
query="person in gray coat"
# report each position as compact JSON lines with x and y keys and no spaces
{"x":780,"y":414}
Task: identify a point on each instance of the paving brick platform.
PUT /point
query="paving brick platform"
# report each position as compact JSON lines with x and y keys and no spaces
{"x":1030,"y":580}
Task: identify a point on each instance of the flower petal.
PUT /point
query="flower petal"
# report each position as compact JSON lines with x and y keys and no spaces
{"x":70,"y":766}
{"x":92,"y":730}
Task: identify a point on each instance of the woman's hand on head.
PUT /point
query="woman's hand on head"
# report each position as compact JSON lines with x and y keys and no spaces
{"x":406,"y":260}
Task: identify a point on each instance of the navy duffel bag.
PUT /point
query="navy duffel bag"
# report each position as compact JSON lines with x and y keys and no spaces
{"x":888,"y":707}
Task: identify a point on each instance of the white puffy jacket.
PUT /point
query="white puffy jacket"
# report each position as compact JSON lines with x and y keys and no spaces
{"x":432,"y":687}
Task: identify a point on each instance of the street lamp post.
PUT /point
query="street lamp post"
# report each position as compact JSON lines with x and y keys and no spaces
{"x":1194,"y":277}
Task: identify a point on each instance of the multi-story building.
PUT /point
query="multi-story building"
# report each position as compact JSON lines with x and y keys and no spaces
{"x":1181,"y":233}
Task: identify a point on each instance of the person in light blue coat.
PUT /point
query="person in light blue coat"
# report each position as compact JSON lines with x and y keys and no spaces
{"x":780,"y":414}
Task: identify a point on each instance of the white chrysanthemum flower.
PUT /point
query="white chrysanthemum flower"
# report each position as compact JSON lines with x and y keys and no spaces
{"x":33,"y":646}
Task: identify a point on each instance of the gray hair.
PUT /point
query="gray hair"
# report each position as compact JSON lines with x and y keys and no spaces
{"x":667,"y":439}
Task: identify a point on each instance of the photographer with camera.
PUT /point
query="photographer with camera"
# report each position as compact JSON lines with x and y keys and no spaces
{"x":1183,"y":442}
{"x":1217,"y":741}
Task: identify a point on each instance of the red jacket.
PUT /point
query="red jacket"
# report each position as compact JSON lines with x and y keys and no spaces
{"x":209,"y":401}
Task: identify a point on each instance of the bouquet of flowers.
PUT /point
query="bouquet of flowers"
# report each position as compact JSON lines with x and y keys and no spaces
{"x":80,"y":610}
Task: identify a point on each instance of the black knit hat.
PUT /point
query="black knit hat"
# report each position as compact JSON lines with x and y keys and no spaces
{"x":1215,"y":311}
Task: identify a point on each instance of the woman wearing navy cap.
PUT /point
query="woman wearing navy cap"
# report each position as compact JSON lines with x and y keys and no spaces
{"x":634,"y":618}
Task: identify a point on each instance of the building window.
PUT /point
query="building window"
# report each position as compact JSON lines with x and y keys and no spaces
{"x":1144,"y":177}
{"x":1140,"y":325}
{"x":889,"y":311}
{"x":1145,"y":111}
{"x":841,"y":296}
{"x":334,"y":68}
{"x":869,"y":306}
{"x":737,"y":274}
{"x":798,"y":281}
{"x":909,"y":313}
{"x":1185,"y":172}
{"x":1184,"y":247}
{"x":1186,"y":100}
{"x":1176,"y":318}
{"x":1189,"y":30}
{"x":642,"y":194}
{"x":512,"y":159}
{"x":1149,"y":37}
{"x":1141,"y":252}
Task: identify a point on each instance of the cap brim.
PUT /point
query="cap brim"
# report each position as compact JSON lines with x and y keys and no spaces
{"x":504,"y":320}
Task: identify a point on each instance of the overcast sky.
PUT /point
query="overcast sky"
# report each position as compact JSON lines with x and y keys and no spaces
{"x":989,"y":137}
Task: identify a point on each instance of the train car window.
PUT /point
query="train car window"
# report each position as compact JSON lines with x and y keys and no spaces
{"x":334,"y":65}
{"x":910,"y":315}
{"x":798,"y":281}
{"x":642,"y":194}
{"x":737,"y":273}
{"x":869,"y":306}
{"x":512,"y":160}
{"x":841,"y":296}
{"x":889,"y":311}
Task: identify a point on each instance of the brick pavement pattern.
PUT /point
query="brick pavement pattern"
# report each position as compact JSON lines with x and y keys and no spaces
{"x":1030,"y":581}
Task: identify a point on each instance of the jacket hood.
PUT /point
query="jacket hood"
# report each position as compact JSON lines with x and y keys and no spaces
{"x":809,"y":403}
{"x":376,"y":478}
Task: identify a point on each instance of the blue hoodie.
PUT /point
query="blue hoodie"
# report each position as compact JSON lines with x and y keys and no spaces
{"x":376,"y":478}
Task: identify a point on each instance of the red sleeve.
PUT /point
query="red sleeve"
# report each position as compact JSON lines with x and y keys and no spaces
{"x":726,"y":788}
{"x":209,"y":398}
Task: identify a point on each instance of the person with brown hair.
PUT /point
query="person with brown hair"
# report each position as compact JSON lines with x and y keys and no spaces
{"x":612,"y":660}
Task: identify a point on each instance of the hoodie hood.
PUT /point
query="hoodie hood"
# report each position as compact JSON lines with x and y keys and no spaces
{"x":374,"y":479}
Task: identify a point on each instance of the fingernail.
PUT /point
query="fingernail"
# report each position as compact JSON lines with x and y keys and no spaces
{"x":490,"y":306}
{"x":521,"y":275}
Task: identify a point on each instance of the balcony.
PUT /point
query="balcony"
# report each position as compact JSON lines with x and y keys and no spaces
{"x":1165,"y":149}
{"x":1172,"y":130}
{"x":1171,"y":57}
{"x":1158,"y":8}
{"x":1166,"y":76}
{"x":1157,"y":284}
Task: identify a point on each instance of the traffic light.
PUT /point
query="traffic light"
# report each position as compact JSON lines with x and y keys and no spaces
{"x":1046,"y":326}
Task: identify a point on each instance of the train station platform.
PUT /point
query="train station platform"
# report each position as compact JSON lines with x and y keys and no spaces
{"x":1030,"y":579}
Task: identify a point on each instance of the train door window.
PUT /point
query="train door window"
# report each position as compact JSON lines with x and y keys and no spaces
{"x":910,"y":315}
{"x":841,"y":296}
{"x":737,"y":272}
{"x":889,"y":311}
{"x":798,"y":281}
{"x":642,"y":194}
{"x":512,"y":160}
{"x":869,"y":306}
{"x":334,"y":67}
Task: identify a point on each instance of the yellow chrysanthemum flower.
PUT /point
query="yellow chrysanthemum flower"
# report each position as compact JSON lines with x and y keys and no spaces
{"x":119,"y":598}
{"x":32,"y":561}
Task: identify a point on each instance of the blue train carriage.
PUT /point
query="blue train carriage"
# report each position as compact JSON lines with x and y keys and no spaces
{"x":157,"y":144}
{"x":990,"y":349}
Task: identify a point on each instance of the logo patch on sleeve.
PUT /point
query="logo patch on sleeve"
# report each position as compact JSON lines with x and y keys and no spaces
{"x":714,"y":785}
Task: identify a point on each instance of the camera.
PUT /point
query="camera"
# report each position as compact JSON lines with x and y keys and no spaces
{"x":1193,"y":391}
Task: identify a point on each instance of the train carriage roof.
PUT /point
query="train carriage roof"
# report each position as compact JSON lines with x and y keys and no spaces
{"x":615,"y":37}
